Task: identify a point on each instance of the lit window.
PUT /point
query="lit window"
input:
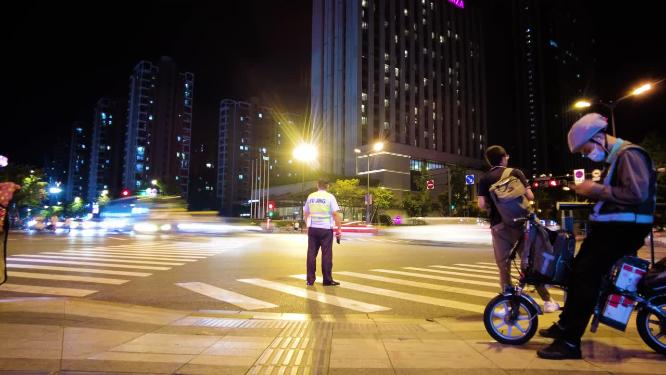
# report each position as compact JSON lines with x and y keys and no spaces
{"x":150,"y":117}
{"x":261,"y":115}
{"x":240,"y":176}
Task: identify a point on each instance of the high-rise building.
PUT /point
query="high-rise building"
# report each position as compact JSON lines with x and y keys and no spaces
{"x":105,"y":167}
{"x":549,"y":46}
{"x":159,"y":127}
{"x":79,"y":156}
{"x":250,"y":136}
{"x":406,"y":73}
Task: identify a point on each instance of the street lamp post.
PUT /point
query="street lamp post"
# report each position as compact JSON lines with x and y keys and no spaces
{"x":378,"y":146}
{"x":305,"y":152}
{"x":611,"y":105}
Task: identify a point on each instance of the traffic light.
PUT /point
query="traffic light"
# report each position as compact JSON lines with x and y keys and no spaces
{"x":125,"y":193}
{"x":535,"y":184}
{"x":553,"y":183}
{"x":271,"y":209}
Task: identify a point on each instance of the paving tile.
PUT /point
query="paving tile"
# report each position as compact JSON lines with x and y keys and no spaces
{"x":35,"y":366}
{"x":168,"y":344}
{"x":360,"y":362}
{"x":129,"y":313}
{"x":212,"y":370}
{"x":219,"y":360}
{"x":79,"y":343}
{"x":120,"y":366}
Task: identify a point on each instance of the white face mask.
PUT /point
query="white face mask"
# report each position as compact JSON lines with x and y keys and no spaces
{"x":597,"y":154}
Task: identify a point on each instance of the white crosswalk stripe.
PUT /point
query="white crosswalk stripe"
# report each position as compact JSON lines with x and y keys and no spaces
{"x":136,"y":253}
{"x":465,"y":269}
{"x":77,"y":269}
{"x":441,"y":278}
{"x":477,"y":266}
{"x":104,"y":255}
{"x":452,"y":304}
{"x":451,"y":273}
{"x":88,"y":263}
{"x":487,"y":263}
{"x":56,"y":291}
{"x":98,"y":258}
{"x":47,"y":276}
{"x":237,"y":299}
{"x":317,"y":296}
{"x":418,"y":284}
{"x":158,"y":256}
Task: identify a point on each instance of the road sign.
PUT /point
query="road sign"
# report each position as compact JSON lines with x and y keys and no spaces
{"x":430,"y":184}
{"x":596,"y":175}
{"x":469,"y":179}
{"x":579,"y":176}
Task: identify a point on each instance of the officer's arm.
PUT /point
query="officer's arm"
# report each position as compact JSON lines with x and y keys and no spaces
{"x":633,"y":176}
{"x":482,"y":202}
{"x":337,"y":216}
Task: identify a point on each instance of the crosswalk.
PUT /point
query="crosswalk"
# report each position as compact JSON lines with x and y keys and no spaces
{"x":81,"y":272}
{"x":460,"y":287}
{"x":110,"y":265}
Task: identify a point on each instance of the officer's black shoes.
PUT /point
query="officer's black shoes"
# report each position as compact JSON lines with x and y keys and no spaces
{"x":308,"y":283}
{"x":553,"y":332}
{"x":331,"y":283}
{"x":560,"y":349}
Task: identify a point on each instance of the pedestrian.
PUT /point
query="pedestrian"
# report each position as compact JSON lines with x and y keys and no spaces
{"x":322,"y":216}
{"x":505,"y":233}
{"x":619,"y":223}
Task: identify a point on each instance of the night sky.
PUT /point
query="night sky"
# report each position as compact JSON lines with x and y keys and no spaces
{"x":61,"y":57}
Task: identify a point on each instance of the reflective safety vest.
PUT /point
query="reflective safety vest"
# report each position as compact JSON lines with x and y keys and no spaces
{"x":611,"y":212}
{"x":319,"y":205}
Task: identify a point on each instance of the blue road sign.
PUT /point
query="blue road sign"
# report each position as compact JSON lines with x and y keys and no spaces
{"x":469,"y":179}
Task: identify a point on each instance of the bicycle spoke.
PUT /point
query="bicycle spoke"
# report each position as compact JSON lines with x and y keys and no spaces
{"x":518,"y":327}
{"x":497,"y":327}
{"x":654,"y":321}
{"x":523,"y":317}
{"x":508,"y":332}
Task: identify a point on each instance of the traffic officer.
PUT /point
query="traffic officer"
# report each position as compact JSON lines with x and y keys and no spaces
{"x":322,"y":216}
{"x":619,"y":223}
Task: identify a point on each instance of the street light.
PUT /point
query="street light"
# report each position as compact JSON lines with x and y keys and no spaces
{"x":611,"y":105}
{"x":377,"y":147}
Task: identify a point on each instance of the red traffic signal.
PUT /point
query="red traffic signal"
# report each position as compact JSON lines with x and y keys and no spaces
{"x":125,"y":192}
{"x":553,"y":183}
{"x":271,"y":205}
{"x":535,"y":184}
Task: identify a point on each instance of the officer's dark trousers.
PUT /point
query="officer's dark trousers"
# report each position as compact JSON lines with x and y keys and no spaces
{"x":318,"y":237}
{"x":604,"y":245}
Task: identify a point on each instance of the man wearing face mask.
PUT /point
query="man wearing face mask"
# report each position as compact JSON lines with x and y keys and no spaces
{"x":619,"y":223}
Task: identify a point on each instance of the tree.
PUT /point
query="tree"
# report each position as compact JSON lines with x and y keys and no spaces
{"x":413,"y":204}
{"x":382,"y":199}
{"x":655,"y":144}
{"x":33,"y":187}
{"x":459,"y":194}
{"x":347,"y":193}
{"x":77,"y":207}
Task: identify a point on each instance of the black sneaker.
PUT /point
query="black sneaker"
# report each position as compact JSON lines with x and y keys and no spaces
{"x":331,"y":283}
{"x":553,"y":332}
{"x":560,"y":349}
{"x":308,"y":283}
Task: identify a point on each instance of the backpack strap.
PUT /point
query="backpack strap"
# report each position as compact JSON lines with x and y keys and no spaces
{"x":506,"y":173}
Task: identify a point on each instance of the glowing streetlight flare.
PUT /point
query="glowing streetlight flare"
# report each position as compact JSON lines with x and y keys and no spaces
{"x":378,"y":146}
{"x":582,"y":104}
{"x":642,"y":89}
{"x":305,"y":152}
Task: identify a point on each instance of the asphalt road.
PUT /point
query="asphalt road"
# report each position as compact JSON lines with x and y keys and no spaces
{"x":415,"y":277}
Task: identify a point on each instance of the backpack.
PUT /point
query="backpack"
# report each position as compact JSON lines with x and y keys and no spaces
{"x":508,"y":194}
{"x":547,"y":256}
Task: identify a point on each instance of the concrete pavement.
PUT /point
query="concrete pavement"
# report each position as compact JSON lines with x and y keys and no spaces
{"x":53,"y":335}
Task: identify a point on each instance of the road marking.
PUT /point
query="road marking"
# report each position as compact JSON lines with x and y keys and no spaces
{"x":89,"y":264}
{"x":85,"y":279}
{"x":442,"y":278}
{"x":132,"y":253}
{"x":118,"y":238}
{"x":142,"y":251}
{"x":451,"y":273}
{"x":89,"y":254}
{"x":244,"y":302}
{"x":317,"y":296}
{"x":106,"y":260}
{"x":487,"y":263}
{"x":69,"y":292}
{"x":418,"y":284}
{"x":408,"y":296}
{"x":76,"y":269}
{"x":466,"y":269}
{"x":477,"y":266}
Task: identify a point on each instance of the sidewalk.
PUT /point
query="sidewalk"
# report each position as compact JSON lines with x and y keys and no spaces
{"x":76,"y":336}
